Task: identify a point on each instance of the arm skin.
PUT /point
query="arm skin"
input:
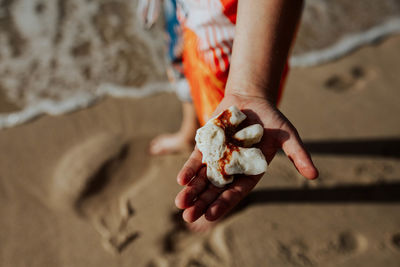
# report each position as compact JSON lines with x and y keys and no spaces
{"x":264,"y":33}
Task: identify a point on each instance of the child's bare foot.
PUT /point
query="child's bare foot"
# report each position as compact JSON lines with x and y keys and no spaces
{"x":201,"y":225}
{"x":171,"y":143}
{"x":180,"y":141}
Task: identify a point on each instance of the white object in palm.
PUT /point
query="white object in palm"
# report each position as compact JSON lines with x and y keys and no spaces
{"x":227,"y":151}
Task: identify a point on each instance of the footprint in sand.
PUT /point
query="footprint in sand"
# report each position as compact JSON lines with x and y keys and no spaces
{"x":84,"y":170}
{"x":89,"y":180}
{"x":301,"y":253}
{"x":115,"y":226}
{"x":296,"y":253}
{"x":355,"y":78}
{"x":184,"y":248}
{"x":349,"y":243}
{"x":212,"y":251}
{"x":395,"y":242}
{"x":345,"y":245}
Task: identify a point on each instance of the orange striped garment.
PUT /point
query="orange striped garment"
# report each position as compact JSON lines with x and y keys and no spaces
{"x":208,"y":33}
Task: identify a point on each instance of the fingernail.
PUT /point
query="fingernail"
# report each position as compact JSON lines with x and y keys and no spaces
{"x":186,"y":217}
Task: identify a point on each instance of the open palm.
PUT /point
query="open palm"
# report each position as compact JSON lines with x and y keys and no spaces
{"x":200,"y":197}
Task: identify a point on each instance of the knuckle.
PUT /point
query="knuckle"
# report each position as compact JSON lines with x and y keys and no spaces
{"x":188,"y":198}
{"x":237,"y":194}
{"x":201,"y":203}
{"x":188,"y":172}
{"x":222,"y":203}
{"x":215,"y":190}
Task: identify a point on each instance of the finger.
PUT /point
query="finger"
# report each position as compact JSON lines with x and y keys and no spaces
{"x":194,"y":188}
{"x":296,"y":152}
{"x":190,"y":168}
{"x":194,"y":212}
{"x":231,"y":197}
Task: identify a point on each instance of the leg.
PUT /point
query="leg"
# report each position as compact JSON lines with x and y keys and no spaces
{"x":183,"y":139}
{"x":180,"y":141}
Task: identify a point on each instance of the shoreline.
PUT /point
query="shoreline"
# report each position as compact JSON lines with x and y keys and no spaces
{"x":386,"y":31}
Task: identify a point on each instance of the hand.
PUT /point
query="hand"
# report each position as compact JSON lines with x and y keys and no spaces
{"x":201,"y":197}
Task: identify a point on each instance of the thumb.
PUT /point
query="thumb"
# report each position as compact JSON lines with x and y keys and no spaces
{"x":297,"y":153}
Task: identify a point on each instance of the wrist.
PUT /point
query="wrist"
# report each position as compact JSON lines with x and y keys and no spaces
{"x":253,"y":84}
{"x":248,"y":90}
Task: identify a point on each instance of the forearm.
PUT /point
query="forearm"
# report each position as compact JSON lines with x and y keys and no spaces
{"x":264,"y":33}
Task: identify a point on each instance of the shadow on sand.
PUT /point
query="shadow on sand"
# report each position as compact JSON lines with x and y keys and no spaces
{"x":388,"y":148}
{"x":375,"y":193}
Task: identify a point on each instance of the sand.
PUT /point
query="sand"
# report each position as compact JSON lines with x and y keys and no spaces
{"x":81,"y":190}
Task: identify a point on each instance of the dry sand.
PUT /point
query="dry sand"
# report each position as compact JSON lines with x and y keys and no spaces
{"x":81,"y":190}
{"x":61,"y":55}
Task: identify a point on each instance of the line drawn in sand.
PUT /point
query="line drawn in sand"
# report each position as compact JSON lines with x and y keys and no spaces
{"x":205,"y":249}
